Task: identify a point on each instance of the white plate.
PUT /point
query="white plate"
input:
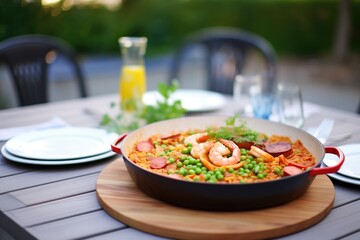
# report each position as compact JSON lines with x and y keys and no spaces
{"x":344,"y":178}
{"x":351,"y":166}
{"x":192,"y":100}
{"x":14,"y":158}
{"x":61,"y":143}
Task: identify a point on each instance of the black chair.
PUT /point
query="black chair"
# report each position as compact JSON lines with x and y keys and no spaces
{"x":28,"y":58}
{"x":227,"y":50}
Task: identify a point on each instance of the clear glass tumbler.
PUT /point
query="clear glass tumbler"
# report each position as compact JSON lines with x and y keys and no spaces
{"x":252,"y":96}
{"x":290,"y":104}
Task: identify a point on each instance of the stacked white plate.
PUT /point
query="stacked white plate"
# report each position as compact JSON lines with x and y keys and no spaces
{"x":350,"y":170}
{"x":60,"y":146}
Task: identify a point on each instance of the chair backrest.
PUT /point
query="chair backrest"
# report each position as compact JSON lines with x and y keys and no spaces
{"x":28,"y":58}
{"x":226,"y":53}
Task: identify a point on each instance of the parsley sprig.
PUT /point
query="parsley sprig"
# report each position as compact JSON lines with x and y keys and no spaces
{"x":235,"y":130}
{"x":164,"y":108}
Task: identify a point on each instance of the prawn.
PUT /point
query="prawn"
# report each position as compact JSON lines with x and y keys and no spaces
{"x":197,"y":142}
{"x":221,"y":149}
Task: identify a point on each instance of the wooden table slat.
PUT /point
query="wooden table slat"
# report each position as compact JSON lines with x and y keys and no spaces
{"x":48,"y":175}
{"x":337,"y":224}
{"x":51,"y":211}
{"x":81,"y":226}
{"x":8,"y":202}
{"x":127,"y":233}
{"x":57,"y":190}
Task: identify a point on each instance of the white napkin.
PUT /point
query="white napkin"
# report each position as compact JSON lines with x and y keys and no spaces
{"x":7,"y":133}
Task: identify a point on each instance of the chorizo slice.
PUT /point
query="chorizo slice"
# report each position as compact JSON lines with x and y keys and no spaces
{"x":171,"y":136}
{"x":291,"y":171}
{"x":158,"y":163}
{"x":144,"y":146}
{"x":278,"y":148}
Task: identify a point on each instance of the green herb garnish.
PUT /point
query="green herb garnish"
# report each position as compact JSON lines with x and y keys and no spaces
{"x":128,"y":121}
{"x":164,"y":109}
{"x":235,"y":130}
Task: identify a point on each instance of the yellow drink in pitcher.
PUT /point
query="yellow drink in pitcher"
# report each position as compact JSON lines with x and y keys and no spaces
{"x":132,"y":87}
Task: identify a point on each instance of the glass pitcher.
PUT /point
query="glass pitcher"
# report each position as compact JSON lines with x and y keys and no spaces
{"x":132,"y":76}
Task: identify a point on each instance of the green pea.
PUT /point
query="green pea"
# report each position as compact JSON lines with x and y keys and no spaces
{"x":199,"y":164}
{"x":198,"y":171}
{"x":196,"y":179}
{"x":222,"y":169}
{"x":163,"y":145}
{"x":250,"y":165}
{"x":211,"y":172}
{"x":191,"y":172}
{"x":206,"y":177}
{"x":213,"y":178}
{"x":241,"y":169}
{"x":204,"y":168}
{"x":185,"y":151}
{"x":171,"y":160}
{"x":189,"y":145}
{"x":219,"y":176}
{"x":243,"y":158}
{"x":243,"y":151}
{"x":230,"y":170}
{"x":260,"y":160}
{"x":179,"y":164}
{"x":192,"y":161}
{"x":186,"y":162}
{"x":183,"y":157}
{"x":170,"y":172}
{"x":155,"y":142}
{"x":182,"y":171}
{"x":250,"y":157}
{"x":277,"y":170}
{"x":260,"y":176}
{"x":247,"y":170}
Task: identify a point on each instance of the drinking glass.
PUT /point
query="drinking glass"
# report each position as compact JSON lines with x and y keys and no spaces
{"x":252,"y":96}
{"x":290,"y":105}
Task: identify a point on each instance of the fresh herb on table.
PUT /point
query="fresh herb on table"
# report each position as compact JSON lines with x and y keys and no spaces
{"x":235,"y":130}
{"x":129,"y":121}
{"x":164,"y":109}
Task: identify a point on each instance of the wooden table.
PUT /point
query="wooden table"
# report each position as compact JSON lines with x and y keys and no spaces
{"x":59,"y":202}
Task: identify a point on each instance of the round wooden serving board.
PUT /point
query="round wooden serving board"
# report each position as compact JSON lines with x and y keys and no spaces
{"x":119,"y":197}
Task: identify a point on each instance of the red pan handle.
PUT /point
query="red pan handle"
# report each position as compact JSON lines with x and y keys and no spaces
{"x":114,"y":146}
{"x":332,"y":169}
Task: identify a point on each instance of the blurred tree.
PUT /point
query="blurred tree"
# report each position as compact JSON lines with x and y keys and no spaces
{"x":343,"y":31}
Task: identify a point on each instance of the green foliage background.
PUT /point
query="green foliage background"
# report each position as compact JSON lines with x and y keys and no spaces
{"x":293,"y":27}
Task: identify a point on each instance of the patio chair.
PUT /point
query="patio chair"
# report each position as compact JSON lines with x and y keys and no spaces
{"x":226,"y":51}
{"x":28,"y":58}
